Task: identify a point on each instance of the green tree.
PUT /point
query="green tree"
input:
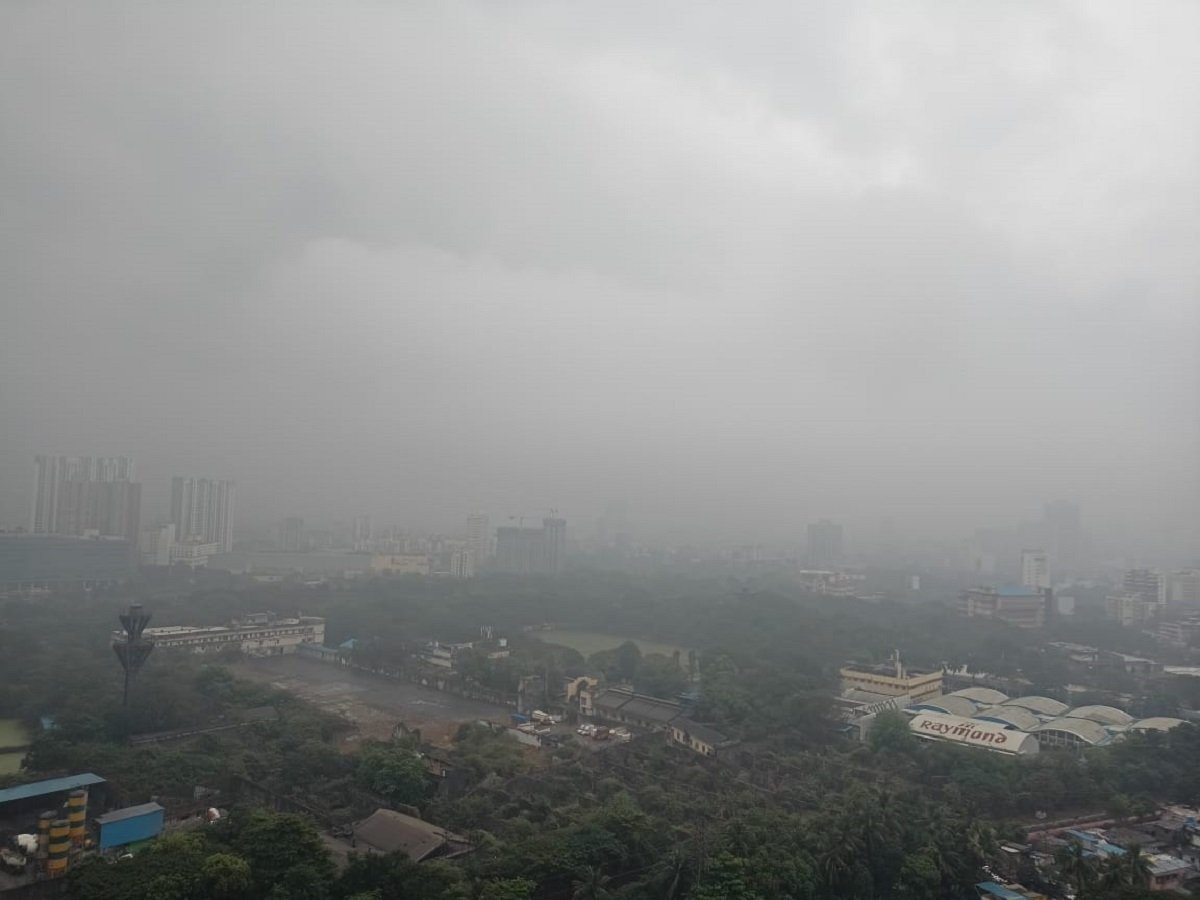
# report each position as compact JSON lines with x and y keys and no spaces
{"x":1076,"y":867}
{"x":890,"y":734}
{"x":727,"y":877}
{"x":508,"y":889}
{"x":396,"y":774}
{"x":589,"y":884}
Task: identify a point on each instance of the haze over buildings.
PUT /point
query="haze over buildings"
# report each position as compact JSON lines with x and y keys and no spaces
{"x":741,"y":264}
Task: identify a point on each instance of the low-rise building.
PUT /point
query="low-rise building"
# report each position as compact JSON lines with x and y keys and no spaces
{"x":1020,"y":607}
{"x":1129,"y":609}
{"x":195,"y":554}
{"x":891,"y":679}
{"x":702,"y":739}
{"x":255,"y":634}
{"x":627,"y":707}
{"x":400,"y":564}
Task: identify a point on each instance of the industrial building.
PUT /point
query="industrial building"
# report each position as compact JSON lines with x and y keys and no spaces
{"x":255,"y":634}
{"x":123,"y":827}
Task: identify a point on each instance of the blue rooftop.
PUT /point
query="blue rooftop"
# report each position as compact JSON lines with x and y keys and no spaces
{"x":53,"y":786}
{"x":999,"y":890}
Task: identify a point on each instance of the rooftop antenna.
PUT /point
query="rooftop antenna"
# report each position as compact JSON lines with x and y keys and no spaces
{"x":132,"y":647}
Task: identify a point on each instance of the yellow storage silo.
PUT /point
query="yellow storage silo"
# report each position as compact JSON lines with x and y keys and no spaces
{"x":44,"y":822}
{"x":60,"y":846}
{"x":77,"y":816}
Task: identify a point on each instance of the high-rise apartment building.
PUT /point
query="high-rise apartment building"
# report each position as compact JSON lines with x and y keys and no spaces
{"x":52,"y":473}
{"x":362,"y":532}
{"x":291,"y":534}
{"x":1063,"y":534}
{"x":1035,"y":570}
{"x":554,"y":544}
{"x":1147,"y":584}
{"x":479,"y":540}
{"x":87,"y":495}
{"x":524,"y":551}
{"x":825,"y":545}
{"x":202,"y":511}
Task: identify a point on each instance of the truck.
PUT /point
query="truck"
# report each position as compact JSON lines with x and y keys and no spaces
{"x":518,"y":719}
{"x":545,"y":717}
{"x":601,"y":733}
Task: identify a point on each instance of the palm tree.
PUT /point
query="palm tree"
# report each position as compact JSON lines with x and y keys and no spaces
{"x":1077,"y":868}
{"x":1136,"y":867}
{"x":590,"y":885}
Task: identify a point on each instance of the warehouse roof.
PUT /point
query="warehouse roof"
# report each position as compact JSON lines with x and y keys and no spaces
{"x":1156,"y":723}
{"x":129,"y":812}
{"x":392,"y":832}
{"x":1105,"y":715}
{"x":1016,"y":716}
{"x":1045,"y":706}
{"x":52,"y":786}
{"x":704,"y":733}
{"x":950,"y":705}
{"x":980,"y":695}
{"x":1087,"y":730}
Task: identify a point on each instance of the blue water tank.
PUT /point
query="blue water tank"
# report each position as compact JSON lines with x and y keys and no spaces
{"x":130,"y":825}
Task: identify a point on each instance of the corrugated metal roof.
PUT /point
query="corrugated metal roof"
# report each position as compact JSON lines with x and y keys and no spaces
{"x":980,"y":695}
{"x":1016,"y":716}
{"x":1085,"y":729}
{"x":129,"y":812}
{"x":1156,"y":723}
{"x":52,"y":786}
{"x":1046,"y":706}
{"x":950,"y":705}
{"x":999,"y":891}
{"x":1105,"y":715}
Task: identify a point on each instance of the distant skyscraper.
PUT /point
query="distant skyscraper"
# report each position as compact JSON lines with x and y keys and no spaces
{"x":362,"y":532}
{"x":80,"y":495}
{"x":291,"y":534}
{"x":525,"y":551}
{"x":478,"y":540}
{"x":1063,"y":535}
{"x":51,"y":473}
{"x":202,"y":511}
{"x":1035,"y":569}
{"x":1185,"y":588}
{"x":554,"y":544}
{"x":825,"y":550}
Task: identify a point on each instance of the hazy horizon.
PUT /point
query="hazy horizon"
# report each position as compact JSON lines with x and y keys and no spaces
{"x":737,"y":267}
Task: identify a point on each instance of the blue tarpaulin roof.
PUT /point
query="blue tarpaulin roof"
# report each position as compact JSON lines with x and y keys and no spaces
{"x":53,"y":786}
{"x":999,"y":890}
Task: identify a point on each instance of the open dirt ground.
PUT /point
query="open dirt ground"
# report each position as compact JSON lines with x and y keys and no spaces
{"x":373,"y":703}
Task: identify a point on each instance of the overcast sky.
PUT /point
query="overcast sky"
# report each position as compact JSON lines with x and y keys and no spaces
{"x":735,"y":265}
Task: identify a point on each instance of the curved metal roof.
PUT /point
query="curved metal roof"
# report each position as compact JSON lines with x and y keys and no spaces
{"x":1087,"y":730}
{"x":980,"y":695}
{"x":1105,"y":715}
{"x":950,"y":705}
{"x":1045,"y":706}
{"x":1016,"y":716}
{"x":1156,"y":723}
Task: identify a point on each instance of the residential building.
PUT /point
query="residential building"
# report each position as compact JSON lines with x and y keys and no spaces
{"x":1130,"y":608}
{"x":1035,"y":570}
{"x":462,"y":563}
{"x":479,"y":540}
{"x":1147,"y":584}
{"x":702,"y":739}
{"x":202,"y":511}
{"x":400,"y":564}
{"x":1180,"y":632}
{"x":1185,"y":588}
{"x":890,"y":679}
{"x":554,"y":544}
{"x":1061,"y":524}
{"x":825,"y":545}
{"x":33,"y":560}
{"x":362,"y":533}
{"x":255,"y":634}
{"x":1020,"y":607}
{"x":155,"y":544}
{"x":291,"y":534}
{"x":52,"y":472}
{"x":194,"y":553}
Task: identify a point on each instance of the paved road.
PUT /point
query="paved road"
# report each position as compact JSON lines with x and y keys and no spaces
{"x":375,"y":704}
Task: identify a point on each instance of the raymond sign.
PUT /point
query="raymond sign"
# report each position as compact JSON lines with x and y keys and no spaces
{"x":966,"y":731}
